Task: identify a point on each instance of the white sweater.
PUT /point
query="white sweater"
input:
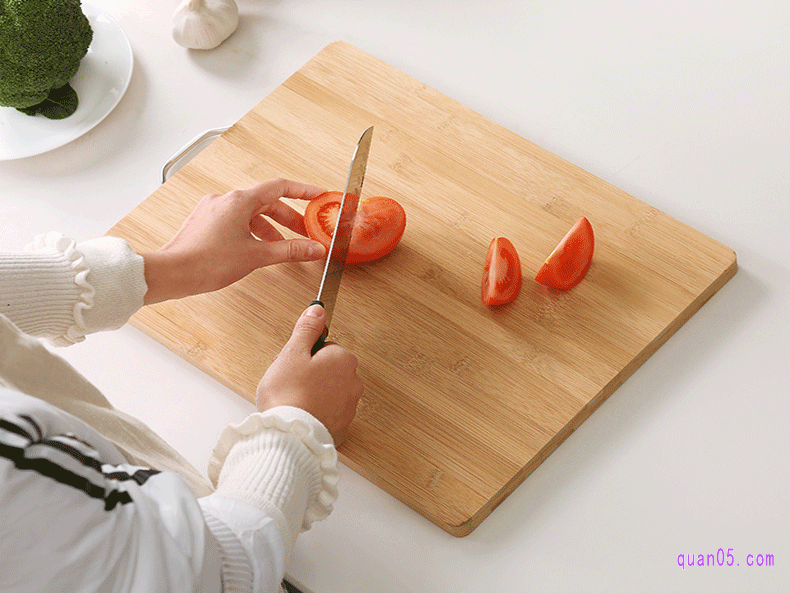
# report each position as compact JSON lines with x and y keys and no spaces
{"x":75,"y":513}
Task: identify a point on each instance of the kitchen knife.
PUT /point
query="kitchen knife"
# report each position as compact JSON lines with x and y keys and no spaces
{"x":341,"y":238}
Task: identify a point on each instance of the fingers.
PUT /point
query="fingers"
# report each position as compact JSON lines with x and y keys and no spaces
{"x":289,"y":250}
{"x":264,"y":198}
{"x":248,"y":207}
{"x":307,"y":330}
{"x":268,"y":192}
{"x":286,"y":216}
{"x":262,"y":228}
{"x":297,"y":190}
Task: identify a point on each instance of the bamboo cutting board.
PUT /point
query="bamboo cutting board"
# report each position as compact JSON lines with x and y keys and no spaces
{"x":462,"y":401}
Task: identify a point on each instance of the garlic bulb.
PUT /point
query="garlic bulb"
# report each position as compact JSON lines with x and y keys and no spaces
{"x":204,"y":24}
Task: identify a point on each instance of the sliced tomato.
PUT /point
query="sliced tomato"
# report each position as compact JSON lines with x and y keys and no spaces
{"x":378,"y":226}
{"x":570,"y":260}
{"x":502,"y":273}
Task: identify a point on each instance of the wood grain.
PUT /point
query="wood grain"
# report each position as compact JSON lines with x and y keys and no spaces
{"x":462,"y":401}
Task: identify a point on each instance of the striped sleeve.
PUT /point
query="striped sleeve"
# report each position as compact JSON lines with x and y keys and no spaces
{"x":101,"y":525}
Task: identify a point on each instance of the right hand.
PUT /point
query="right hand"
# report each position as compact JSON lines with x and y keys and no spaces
{"x":325,"y":385}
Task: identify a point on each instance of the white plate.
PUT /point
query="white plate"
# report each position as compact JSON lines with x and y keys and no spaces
{"x":100,"y":83}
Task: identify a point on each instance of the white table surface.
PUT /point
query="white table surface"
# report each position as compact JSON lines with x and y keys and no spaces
{"x":683,"y":104}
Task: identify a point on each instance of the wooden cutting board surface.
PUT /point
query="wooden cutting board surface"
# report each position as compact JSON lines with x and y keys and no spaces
{"x":462,"y":401}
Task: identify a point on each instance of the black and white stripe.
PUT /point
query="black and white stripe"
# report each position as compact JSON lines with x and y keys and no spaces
{"x":65,"y":459}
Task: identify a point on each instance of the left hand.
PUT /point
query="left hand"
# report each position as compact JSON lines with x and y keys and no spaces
{"x":215,"y":246}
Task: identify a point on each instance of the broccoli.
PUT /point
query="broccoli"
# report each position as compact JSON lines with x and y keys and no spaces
{"x":41,"y":45}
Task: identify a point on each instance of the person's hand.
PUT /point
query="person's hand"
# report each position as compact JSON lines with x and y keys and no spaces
{"x":227,"y":237}
{"x":325,"y":385}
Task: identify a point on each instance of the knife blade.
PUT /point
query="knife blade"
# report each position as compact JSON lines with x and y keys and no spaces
{"x":341,"y":237}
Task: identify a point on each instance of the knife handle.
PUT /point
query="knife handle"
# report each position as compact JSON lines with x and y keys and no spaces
{"x":319,"y":343}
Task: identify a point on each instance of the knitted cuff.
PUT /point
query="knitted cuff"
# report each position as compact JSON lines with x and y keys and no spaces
{"x":83,"y":288}
{"x":237,"y":572}
{"x":40,"y":291}
{"x":281,"y":461}
{"x":118,"y":276}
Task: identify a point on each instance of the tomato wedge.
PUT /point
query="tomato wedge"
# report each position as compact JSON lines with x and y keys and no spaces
{"x":570,"y":260}
{"x":378,"y":226}
{"x":501,"y":274}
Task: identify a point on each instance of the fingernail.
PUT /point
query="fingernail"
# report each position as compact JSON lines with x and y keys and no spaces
{"x":316,"y":250}
{"x":314,"y":311}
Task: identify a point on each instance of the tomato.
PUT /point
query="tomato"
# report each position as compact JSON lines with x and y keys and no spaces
{"x":378,"y":226}
{"x":502,"y":273}
{"x":571,"y":259}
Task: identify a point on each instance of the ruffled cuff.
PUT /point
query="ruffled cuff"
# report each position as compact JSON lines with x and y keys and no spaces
{"x":283,"y":462}
{"x":109,"y":279}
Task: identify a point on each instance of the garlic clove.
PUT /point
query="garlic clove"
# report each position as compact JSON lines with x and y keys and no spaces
{"x":204,"y":24}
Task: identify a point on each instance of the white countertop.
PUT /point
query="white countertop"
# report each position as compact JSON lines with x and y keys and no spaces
{"x":685,"y":105}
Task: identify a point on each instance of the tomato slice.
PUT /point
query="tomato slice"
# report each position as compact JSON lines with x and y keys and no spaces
{"x":570,"y":260}
{"x":378,"y":226}
{"x":502,"y":273}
